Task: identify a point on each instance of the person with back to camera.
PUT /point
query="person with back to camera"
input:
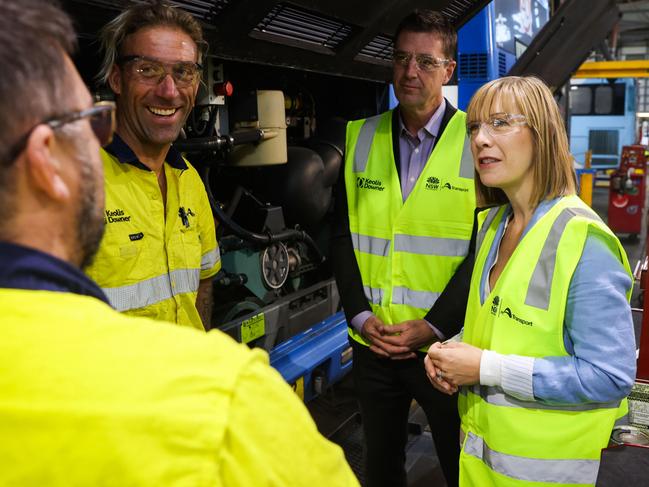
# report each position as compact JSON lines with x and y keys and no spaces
{"x":547,"y":353}
{"x":90,"y":396}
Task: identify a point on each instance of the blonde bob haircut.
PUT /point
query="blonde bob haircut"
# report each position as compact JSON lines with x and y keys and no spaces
{"x":552,"y":162}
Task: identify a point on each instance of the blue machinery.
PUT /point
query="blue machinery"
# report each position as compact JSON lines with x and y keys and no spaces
{"x":314,"y":358}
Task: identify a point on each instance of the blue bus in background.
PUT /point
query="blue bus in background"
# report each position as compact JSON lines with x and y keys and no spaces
{"x":602,"y":119}
{"x":490,"y":43}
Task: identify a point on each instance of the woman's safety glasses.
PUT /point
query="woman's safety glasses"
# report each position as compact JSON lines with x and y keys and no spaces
{"x":497,"y":124}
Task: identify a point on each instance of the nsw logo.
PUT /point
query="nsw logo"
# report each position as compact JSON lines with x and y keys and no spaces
{"x":495,"y":306}
{"x":432,"y":183}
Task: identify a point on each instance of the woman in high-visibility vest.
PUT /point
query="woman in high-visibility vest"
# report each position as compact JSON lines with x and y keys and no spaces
{"x":547,"y":354}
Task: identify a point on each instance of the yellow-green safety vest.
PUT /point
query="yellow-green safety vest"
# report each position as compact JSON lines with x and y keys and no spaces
{"x":407,"y":251}
{"x":511,"y":442}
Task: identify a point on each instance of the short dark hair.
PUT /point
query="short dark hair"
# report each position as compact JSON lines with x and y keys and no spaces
{"x":152,"y":13}
{"x":433,"y":22}
{"x":35,"y":36}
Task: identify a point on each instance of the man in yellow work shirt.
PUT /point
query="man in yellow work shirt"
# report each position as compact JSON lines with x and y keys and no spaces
{"x":159,"y":252}
{"x":90,"y":396}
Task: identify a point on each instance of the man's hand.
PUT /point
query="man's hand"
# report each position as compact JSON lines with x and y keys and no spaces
{"x":411,"y":335}
{"x":434,"y":375}
{"x":373,"y":331}
{"x":459,"y":363}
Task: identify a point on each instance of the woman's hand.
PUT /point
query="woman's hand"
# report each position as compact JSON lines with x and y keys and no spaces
{"x":435,"y":377}
{"x":457,"y":363}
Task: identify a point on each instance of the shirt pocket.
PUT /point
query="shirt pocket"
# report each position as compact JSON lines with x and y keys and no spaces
{"x":123,"y":260}
{"x":190,"y":240}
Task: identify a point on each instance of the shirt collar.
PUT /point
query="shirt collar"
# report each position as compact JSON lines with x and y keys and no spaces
{"x":26,"y":268}
{"x":432,"y":126}
{"x":124,"y":154}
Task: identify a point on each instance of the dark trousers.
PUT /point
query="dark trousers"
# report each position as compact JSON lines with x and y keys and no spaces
{"x":385,"y":389}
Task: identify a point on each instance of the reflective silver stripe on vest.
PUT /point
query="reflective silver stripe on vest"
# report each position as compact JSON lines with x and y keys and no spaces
{"x":559,"y":471}
{"x":538,"y":292}
{"x":492,"y":212}
{"x":373,"y":294}
{"x":450,"y":247}
{"x":154,"y":290}
{"x":497,"y":397}
{"x":418,"y":299}
{"x":364,"y":142}
{"x":210,"y":259}
{"x":466,"y":163}
{"x":371,"y":245}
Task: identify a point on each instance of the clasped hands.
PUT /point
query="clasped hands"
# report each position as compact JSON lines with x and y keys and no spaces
{"x":399,"y":341}
{"x":448,"y":365}
{"x":452,"y":364}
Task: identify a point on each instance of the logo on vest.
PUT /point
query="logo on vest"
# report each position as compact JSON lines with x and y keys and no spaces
{"x":367,"y":183}
{"x":496,"y":310}
{"x":434,"y":184}
{"x":495,"y":306}
{"x":116,"y":216}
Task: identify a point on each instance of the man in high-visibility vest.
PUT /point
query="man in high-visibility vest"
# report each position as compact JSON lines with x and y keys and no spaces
{"x":90,"y":396}
{"x":159,"y":252}
{"x":404,"y":213}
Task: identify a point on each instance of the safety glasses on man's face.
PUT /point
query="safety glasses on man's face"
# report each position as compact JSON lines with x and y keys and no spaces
{"x":151,"y":71}
{"x":424,"y":62}
{"x":101,"y":117}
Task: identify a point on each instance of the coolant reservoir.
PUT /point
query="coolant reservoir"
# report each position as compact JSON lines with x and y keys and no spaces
{"x":262,"y":109}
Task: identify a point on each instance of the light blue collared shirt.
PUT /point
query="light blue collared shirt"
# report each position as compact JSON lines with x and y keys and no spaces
{"x":415,"y":149}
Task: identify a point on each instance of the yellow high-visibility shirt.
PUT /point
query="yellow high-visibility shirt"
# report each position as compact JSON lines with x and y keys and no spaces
{"x":89,"y":396}
{"x":151,"y":259}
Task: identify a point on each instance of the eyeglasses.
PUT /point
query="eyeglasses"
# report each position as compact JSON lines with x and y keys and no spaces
{"x":152,"y":72}
{"x":497,"y":124}
{"x":425,"y":62}
{"x":101,"y":117}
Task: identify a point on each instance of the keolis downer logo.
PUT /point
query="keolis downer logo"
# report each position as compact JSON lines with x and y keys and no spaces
{"x":116,"y":216}
{"x":367,"y":183}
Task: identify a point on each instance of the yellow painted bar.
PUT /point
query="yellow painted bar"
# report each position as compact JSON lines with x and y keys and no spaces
{"x":614,"y":69}
{"x":586,"y":188}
